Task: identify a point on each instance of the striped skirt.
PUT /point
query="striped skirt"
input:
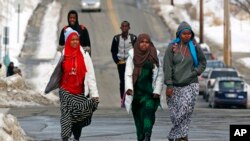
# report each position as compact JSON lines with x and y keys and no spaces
{"x":75,"y":109}
{"x":181,"y":106}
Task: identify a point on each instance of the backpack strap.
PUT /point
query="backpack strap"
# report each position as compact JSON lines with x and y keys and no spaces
{"x":132,"y":38}
{"x":117,"y":38}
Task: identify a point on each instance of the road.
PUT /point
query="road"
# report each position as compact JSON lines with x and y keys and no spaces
{"x":102,"y":27}
{"x":110,"y":122}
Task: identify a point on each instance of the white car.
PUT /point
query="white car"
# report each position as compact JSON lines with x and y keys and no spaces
{"x":91,"y":5}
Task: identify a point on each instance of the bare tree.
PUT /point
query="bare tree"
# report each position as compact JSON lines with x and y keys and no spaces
{"x":243,"y":4}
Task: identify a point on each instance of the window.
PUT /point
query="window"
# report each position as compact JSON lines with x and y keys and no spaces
{"x":237,"y":85}
{"x":215,"y":74}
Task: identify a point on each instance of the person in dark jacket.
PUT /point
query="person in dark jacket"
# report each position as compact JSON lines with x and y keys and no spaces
{"x":121,"y":44}
{"x":81,"y":29}
{"x":10,"y":69}
{"x":184,"y":61}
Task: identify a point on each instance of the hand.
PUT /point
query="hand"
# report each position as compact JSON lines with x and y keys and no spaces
{"x":96,"y":98}
{"x":129,"y":92}
{"x":156,"y":96}
{"x":169,"y":91}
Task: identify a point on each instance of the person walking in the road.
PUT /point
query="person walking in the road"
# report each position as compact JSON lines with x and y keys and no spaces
{"x":121,"y":44}
{"x":144,"y":82}
{"x":10,"y":69}
{"x":81,"y":29}
{"x":184,"y":61}
{"x":74,"y":76}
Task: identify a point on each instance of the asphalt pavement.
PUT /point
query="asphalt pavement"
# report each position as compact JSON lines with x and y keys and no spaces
{"x":42,"y":124}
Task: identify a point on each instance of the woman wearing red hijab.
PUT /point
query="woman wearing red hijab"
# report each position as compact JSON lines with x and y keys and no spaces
{"x":74,"y":76}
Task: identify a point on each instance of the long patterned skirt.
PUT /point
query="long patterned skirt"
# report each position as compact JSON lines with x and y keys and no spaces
{"x":75,"y":109}
{"x":181,"y":106}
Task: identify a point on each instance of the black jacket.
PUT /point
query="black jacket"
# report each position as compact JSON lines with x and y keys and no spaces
{"x":115,"y":44}
{"x":81,"y":29}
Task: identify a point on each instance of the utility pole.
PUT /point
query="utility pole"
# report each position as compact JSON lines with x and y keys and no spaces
{"x":18,"y":21}
{"x":201,"y":22}
{"x":227,"y":35}
{"x":172,"y":2}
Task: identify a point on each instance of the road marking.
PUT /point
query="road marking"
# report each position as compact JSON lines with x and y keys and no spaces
{"x":113,"y":17}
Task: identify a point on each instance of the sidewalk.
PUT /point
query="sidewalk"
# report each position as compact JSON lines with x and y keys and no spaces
{"x":4,"y":110}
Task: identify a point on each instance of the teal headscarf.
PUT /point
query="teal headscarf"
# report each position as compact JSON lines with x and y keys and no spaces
{"x":185,"y":26}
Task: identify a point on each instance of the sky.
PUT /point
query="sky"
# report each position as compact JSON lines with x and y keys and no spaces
{"x":49,"y":37}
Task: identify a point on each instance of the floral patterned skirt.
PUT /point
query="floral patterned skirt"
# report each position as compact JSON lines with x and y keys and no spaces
{"x":181,"y":106}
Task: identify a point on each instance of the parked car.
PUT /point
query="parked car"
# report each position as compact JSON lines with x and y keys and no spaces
{"x":88,"y":5}
{"x":202,"y":81}
{"x":205,"y":47}
{"x":215,"y":64}
{"x":215,"y":73}
{"x":209,"y":55}
{"x":211,"y":64}
{"x":228,"y":91}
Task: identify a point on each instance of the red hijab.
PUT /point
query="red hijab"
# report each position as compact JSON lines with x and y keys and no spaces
{"x":74,"y":68}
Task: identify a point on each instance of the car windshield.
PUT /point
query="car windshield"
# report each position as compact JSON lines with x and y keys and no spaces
{"x":215,"y":64}
{"x":215,"y":74}
{"x":229,"y":85}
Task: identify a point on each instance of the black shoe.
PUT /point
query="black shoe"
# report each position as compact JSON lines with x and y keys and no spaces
{"x":184,"y":138}
{"x":147,"y":137}
{"x":65,"y":139}
{"x":175,"y":139}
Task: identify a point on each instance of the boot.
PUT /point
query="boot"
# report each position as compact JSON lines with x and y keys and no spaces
{"x":184,"y":138}
{"x":65,"y":139}
{"x":147,"y":137}
{"x":178,"y":139}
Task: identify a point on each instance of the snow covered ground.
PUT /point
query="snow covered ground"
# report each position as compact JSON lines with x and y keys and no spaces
{"x":13,"y":90}
{"x":213,"y":23}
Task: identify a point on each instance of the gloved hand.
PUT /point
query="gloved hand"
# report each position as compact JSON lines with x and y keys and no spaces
{"x":96,"y":99}
{"x":87,"y":49}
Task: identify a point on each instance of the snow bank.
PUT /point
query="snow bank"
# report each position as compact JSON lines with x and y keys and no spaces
{"x":10,"y":129}
{"x":15,"y":93}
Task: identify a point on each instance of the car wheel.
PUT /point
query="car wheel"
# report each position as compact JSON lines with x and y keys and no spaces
{"x":204,"y":95}
{"x":207,"y":97}
{"x":209,"y":104}
{"x":213,"y":104}
{"x":244,"y":106}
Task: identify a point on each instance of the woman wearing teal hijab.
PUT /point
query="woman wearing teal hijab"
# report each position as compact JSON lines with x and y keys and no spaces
{"x":184,"y":61}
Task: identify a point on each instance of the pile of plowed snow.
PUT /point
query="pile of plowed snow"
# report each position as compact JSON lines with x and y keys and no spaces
{"x":15,"y":93}
{"x":10,"y":129}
